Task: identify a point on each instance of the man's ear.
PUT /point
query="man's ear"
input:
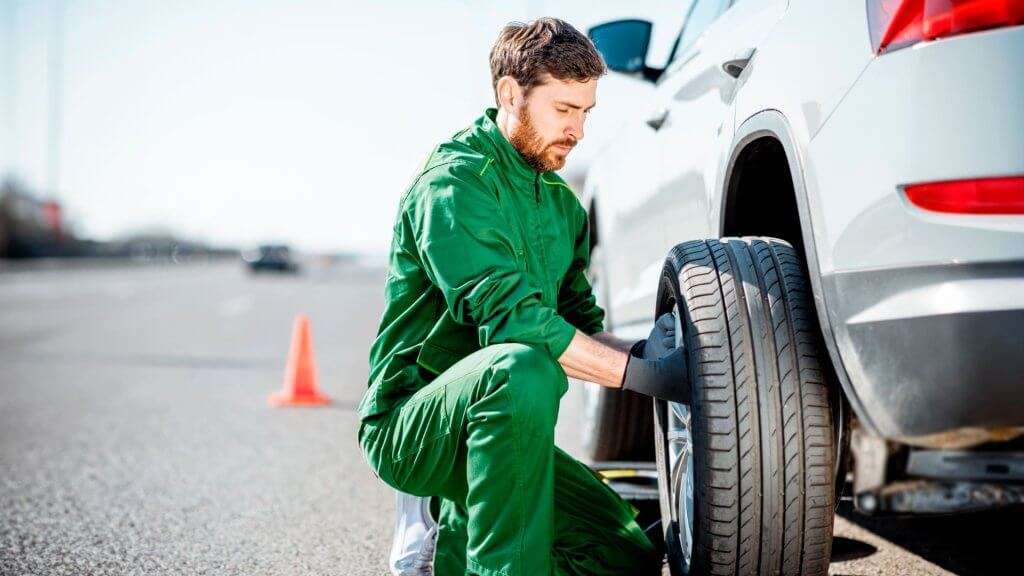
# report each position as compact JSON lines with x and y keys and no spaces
{"x":510,"y":94}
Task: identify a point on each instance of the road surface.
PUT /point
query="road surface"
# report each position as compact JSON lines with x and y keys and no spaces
{"x":135,"y":436}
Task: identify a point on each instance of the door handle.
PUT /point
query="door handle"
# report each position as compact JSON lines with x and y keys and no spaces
{"x":735,"y":65}
{"x":657,"y":120}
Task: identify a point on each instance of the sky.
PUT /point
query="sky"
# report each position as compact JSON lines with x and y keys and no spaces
{"x":248,"y":121}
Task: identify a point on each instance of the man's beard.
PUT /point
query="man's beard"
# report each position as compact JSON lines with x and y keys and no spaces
{"x":531,"y":146}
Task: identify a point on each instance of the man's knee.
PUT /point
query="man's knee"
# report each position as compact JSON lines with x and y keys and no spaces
{"x":525,"y":362}
{"x":530,"y":372}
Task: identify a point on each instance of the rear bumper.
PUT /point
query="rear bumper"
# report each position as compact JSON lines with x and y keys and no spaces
{"x":933,"y":349}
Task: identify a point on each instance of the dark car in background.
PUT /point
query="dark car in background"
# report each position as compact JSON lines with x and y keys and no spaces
{"x":272,"y":258}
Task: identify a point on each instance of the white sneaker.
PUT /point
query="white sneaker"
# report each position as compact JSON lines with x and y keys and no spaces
{"x":412,"y":546}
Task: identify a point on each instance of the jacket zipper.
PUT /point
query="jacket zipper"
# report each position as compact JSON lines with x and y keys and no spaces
{"x":537,"y":230}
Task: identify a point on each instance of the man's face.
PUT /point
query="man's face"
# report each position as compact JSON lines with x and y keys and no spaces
{"x":549,"y":121}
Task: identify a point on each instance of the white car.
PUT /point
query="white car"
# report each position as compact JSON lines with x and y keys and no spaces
{"x":839,"y":187}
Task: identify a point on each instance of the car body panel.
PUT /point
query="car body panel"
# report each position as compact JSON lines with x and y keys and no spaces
{"x":935,"y":111}
{"x":807,"y":64}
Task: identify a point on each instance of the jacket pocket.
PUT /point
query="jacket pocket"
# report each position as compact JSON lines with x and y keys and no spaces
{"x":447,"y":343}
{"x":435,"y":358}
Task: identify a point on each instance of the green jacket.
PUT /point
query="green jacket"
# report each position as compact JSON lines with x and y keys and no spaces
{"x":485,"y":250}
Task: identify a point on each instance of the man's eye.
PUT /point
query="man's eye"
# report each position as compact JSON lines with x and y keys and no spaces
{"x":562,"y":110}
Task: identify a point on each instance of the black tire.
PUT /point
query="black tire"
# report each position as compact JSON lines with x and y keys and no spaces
{"x":760,"y":422}
{"x":617,"y":426}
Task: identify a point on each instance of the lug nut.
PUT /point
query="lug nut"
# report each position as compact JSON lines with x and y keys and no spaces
{"x":867,"y":502}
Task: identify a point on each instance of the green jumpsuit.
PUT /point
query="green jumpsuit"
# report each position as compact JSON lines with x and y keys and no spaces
{"x":485,"y":289}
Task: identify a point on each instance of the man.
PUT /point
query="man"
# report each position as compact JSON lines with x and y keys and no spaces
{"x":488,"y":310}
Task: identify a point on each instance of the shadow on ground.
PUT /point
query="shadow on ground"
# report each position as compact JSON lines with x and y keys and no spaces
{"x":981,"y":543}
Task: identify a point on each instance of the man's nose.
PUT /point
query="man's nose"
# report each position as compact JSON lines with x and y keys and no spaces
{"x":575,"y":128}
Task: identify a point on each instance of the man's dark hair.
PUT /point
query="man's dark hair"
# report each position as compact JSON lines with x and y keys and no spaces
{"x":547,"y":45}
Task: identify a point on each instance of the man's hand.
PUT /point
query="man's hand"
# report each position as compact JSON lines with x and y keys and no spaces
{"x":664,"y":377}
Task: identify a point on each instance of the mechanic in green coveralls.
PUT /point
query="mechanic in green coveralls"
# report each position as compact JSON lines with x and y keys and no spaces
{"x":488,"y":310}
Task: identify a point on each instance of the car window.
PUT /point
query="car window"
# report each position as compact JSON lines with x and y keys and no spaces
{"x":702,"y":14}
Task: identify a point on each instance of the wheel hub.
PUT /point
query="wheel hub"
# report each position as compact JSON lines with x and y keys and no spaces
{"x":680,"y":458}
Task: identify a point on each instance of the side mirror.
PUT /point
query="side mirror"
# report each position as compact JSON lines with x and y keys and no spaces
{"x":623,"y":44}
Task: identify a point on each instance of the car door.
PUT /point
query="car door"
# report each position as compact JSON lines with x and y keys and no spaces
{"x":689,"y":126}
{"x":626,"y":174}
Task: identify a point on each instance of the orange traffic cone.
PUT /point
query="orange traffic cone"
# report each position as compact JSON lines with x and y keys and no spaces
{"x":300,"y":375}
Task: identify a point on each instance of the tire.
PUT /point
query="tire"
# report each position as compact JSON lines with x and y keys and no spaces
{"x":760,"y":456}
{"x":617,"y":425}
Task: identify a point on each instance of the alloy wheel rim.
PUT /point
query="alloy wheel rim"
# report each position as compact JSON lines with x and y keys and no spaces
{"x":680,"y":458}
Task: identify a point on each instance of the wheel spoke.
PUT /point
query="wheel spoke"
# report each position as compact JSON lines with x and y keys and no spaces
{"x":681,"y":412}
{"x":678,"y":436}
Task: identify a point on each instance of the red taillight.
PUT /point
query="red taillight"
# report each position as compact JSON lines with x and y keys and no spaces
{"x":900,"y":23}
{"x":979,"y":196}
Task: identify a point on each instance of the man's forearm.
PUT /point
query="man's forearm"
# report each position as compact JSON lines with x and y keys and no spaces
{"x":609,"y":339}
{"x":600,"y":358}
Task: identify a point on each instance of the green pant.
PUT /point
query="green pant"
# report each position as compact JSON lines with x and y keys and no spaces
{"x":481,"y":437}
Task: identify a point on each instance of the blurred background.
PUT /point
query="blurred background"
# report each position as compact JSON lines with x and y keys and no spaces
{"x":129,"y":127}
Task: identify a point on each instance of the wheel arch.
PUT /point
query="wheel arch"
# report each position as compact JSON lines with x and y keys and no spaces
{"x":770,"y":131}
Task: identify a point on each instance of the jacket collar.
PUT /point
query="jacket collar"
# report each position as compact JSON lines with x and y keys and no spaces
{"x":504,"y":153}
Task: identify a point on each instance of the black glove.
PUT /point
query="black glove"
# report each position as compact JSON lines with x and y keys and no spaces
{"x":666,"y":378}
{"x":663,"y":337}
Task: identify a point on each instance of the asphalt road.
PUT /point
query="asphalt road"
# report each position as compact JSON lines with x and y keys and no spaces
{"x":135,"y":436}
